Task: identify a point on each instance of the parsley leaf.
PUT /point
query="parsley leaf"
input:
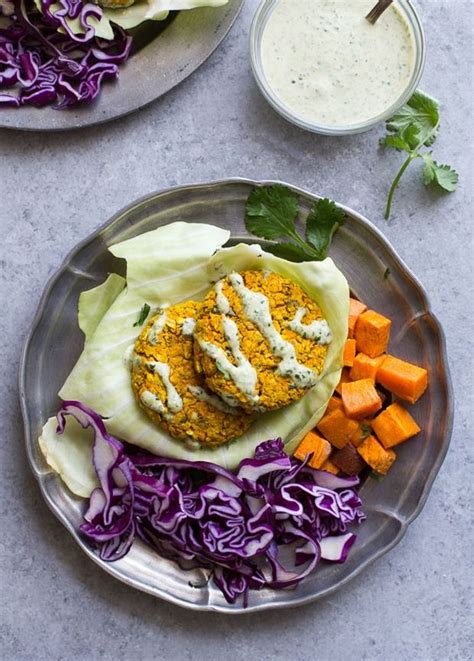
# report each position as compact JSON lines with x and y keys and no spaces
{"x":396,"y":142}
{"x":271,"y":212}
{"x":376,"y":476}
{"x":142,"y":316}
{"x":411,"y":128}
{"x":323,"y":220}
{"x":441,"y":175}
{"x":290,"y":251}
{"x":420,"y":113}
{"x":366,"y":430}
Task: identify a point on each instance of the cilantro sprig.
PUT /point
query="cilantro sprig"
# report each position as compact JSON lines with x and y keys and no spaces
{"x":414,"y":127}
{"x":143,"y":314}
{"x":271,"y":213}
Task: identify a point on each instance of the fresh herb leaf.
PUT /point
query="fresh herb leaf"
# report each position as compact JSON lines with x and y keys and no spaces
{"x":376,"y":476}
{"x":365,"y":430}
{"x":270,"y":213}
{"x":386,"y":273}
{"x":291,"y":252}
{"x":441,"y":175}
{"x":143,"y":315}
{"x":413,"y":127}
{"x":323,"y":220}
{"x":396,"y":142}
{"x":420,"y":114}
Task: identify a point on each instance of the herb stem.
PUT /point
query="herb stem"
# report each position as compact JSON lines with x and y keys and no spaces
{"x":302,"y":242}
{"x":396,"y":181}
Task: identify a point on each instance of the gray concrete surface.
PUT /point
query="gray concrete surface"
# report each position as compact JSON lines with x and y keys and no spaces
{"x":414,"y":603}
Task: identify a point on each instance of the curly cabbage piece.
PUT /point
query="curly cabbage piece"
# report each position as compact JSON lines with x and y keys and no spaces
{"x":131,"y":17}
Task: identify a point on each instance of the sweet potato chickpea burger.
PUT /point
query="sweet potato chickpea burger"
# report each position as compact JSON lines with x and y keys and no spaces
{"x":169,"y":389}
{"x":260,"y":342}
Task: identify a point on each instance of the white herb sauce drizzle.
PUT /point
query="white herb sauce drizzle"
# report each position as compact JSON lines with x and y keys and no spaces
{"x":257,"y":308}
{"x":317,"y":330}
{"x":130,"y":357}
{"x":229,"y":399}
{"x":154,"y":403}
{"x":212,"y":400}
{"x":222,"y":302}
{"x":188,"y":326}
{"x":156,"y":329}
{"x":243,"y":374}
{"x":174,"y":401}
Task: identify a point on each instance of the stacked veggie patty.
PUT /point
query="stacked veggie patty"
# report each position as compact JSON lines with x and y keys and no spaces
{"x":169,"y":389}
{"x":203,"y":370}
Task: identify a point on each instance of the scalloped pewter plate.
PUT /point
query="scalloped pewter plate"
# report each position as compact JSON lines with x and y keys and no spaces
{"x":170,"y":51}
{"x":363,"y":254}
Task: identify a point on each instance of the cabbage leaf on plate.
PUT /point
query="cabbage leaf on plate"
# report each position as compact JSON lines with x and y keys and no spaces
{"x":94,"y":303}
{"x":171,"y":264}
{"x":131,"y":17}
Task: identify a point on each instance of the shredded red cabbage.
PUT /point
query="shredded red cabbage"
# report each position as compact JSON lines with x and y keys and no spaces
{"x":238,"y":525}
{"x":40,"y":66}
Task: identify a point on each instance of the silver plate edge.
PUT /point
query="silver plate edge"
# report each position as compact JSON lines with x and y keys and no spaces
{"x":404,"y":522}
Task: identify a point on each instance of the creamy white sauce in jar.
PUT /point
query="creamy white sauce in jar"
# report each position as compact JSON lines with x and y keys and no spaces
{"x":330,"y":66}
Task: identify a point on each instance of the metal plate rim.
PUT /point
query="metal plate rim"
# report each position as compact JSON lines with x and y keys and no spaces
{"x":41,"y":476}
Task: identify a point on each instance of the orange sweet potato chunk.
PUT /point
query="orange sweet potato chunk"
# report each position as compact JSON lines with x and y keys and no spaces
{"x":372,"y":333}
{"x":365,"y":367}
{"x":337,"y":428}
{"x":355,"y":309}
{"x":364,"y":429}
{"x":349,"y":353}
{"x":374,"y":454}
{"x":360,"y":399}
{"x":405,"y":380}
{"x":394,"y":425}
{"x":320,"y":448}
{"x":344,"y":379}
{"x":333,"y":404}
{"x":330,"y":467}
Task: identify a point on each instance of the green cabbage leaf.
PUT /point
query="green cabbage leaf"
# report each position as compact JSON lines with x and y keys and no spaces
{"x":94,"y":303}
{"x":165,"y":266}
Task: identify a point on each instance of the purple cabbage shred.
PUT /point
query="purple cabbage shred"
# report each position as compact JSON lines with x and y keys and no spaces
{"x":267,"y":525}
{"x":40,"y":66}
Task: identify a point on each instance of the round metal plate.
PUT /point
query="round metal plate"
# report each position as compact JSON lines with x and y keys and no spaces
{"x":362,"y":253}
{"x":182,"y":44}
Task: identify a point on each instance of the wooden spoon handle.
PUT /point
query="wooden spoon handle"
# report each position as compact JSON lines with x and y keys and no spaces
{"x":375,"y":13}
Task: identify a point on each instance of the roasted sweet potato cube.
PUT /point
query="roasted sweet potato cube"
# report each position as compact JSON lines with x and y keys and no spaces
{"x":365,"y":367}
{"x":360,"y":398}
{"x":348,"y":460}
{"x":406,"y":380}
{"x":372,"y":333}
{"x":344,"y":379}
{"x":374,"y":454}
{"x":355,"y":309}
{"x":320,"y":448}
{"x":394,"y":425}
{"x":337,"y":428}
{"x":333,"y":404}
{"x":330,"y":467}
{"x":364,"y":429}
{"x":349,"y":353}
